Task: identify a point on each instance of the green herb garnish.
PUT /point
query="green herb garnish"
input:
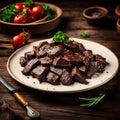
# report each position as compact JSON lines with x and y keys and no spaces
{"x":60,"y":37}
{"x":29,"y":2}
{"x":92,"y":101}
{"x":75,"y":42}
{"x":50,"y":13}
{"x":85,"y":35}
{"x":8,"y":14}
{"x":43,"y":48}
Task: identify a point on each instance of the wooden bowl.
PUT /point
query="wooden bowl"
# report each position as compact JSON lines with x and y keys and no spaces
{"x":95,"y":15}
{"x":118,"y":25}
{"x":33,"y":28}
{"x":117,"y":10}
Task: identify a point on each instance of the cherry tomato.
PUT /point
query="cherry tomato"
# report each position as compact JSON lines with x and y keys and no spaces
{"x":25,"y":35}
{"x":31,"y":18}
{"x":20,"y":19}
{"x":18,"y":41}
{"x":24,"y":5}
{"x":38,"y":12}
{"x":19,"y":7}
{"x":27,"y":11}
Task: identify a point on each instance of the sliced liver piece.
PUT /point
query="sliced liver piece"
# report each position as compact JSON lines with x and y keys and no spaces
{"x":57,"y":71}
{"x":23,"y":61}
{"x":42,"y":43}
{"x":81,"y":48}
{"x":66,"y":78}
{"x":39,"y":72}
{"x":88,"y":53}
{"x":72,"y":47}
{"x":74,"y":58}
{"x":55,"y":51}
{"x":30,"y":65}
{"x":52,"y":78}
{"x":43,"y":50}
{"x":30,"y":55}
{"x":61,"y":62}
{"x":76,"y":74}
{"x":46,"y":60}
{"x":92,"y":69}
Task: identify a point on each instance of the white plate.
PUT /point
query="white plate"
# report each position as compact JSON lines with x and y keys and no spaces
{"x":97,"y":80}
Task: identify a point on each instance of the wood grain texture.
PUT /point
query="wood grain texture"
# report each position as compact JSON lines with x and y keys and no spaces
{"x":67,"y":106}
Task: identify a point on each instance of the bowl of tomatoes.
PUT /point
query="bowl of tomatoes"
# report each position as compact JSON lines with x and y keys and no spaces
{"x":38,"y":17}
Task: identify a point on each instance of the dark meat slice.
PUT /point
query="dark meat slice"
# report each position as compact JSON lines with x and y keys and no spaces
{"x":101,"y":66}
{"x":81,"y":48}
{"x":39,"y":72}
{"x":61,"y":62}
{"x":30,"y":65}
{"x":23,"y":61}
{"x":72,"y":47}
{"x":42,"y":51}
{"x":92,"y":69}
{"x":55,"y":51}
{"x":74,"y":58}
{"x":67,"y":52}
{"x":30,"y":55}
{"x":102,"y":62}
{"x":76,"y":74}
{"x":66,"y":78}
{"x":57,"y":71}
{"x":83,"y":69}
{"x":87,"y":53}
{"x":86,"y":62}
{"x":46,"y":60}
{"x":42,"y":43}
{"x":52,"y":78}
{"x":99,"y":58}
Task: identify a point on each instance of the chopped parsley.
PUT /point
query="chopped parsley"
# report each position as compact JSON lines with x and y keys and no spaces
{"x":85,"y":35}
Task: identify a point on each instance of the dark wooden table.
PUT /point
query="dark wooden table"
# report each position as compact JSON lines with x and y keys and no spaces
{"x":67,"y":106}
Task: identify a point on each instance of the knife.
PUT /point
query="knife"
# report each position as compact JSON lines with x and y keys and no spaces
{"x":30,"y":111}
{"x":14,"y":92}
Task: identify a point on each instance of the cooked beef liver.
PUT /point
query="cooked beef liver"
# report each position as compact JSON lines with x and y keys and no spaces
{"x":74,"y":58}
{"x":42,"y":51}
{"x":39,"y":72}
{"x":52,"y":78}
{"x":81,"y":48}
{"x":54,"y":51}
{"x":72,"y":47}
{"x":42,"y":43}
{"x":23,"y":61}
{"x":78,"y":75}
{"x":87,"y":53}
{"x":30,"y":65}
{"x":57,"y":71}
{"x":66,"y":78}
{"x":83,"y":69}
{"x":46,"y":60}
{"x":61,"y":62}
{"x":30,"y":55}
{"x":92,"y":69}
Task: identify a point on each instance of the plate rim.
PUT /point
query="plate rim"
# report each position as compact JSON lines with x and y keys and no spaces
{"x":53,"y":91}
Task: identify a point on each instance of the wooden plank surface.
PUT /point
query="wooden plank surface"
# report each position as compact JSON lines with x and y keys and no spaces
{"x":67,"y":106}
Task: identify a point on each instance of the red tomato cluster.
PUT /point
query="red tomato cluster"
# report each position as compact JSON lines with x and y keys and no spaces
{"x":20,"y":39}
{"x":27,"y":14}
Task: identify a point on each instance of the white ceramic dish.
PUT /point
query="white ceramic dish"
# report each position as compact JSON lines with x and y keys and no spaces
{"x":97,"y":80}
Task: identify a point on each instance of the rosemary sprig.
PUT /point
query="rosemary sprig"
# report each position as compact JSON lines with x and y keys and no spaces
{"x":92,"y":101}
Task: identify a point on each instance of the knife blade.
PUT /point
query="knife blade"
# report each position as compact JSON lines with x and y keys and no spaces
{"x":19,"y":97}
{"x":7,"y":85}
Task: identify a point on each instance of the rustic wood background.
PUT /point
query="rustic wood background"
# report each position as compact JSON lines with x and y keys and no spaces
{"x":67,"y":106}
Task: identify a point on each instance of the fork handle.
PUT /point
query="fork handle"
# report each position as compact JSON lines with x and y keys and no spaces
{"x":20,"y":98}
